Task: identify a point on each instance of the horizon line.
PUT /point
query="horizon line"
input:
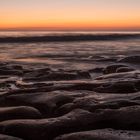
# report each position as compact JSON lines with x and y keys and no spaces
{"x":70,"y":30}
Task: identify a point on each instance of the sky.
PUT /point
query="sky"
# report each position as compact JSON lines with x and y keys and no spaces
{"x":70,"y":14}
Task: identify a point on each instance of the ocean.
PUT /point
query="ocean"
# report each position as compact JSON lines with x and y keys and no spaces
{"x":71,"y":54}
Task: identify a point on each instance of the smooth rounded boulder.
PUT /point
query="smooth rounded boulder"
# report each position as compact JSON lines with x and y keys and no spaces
{"x":20,"y":112}
{"x":125,"y":118}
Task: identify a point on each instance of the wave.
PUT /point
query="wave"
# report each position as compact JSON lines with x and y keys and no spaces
{"x":68,"y":38}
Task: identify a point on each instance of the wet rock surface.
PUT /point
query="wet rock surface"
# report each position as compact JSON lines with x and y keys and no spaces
{"x":5,"y":137}
{"x":131,"y":59}
{"x":102,"y":134}
{"x":49,"y":103}
{"x":20,"y":112}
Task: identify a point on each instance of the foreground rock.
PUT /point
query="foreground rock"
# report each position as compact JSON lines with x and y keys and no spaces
{"x":95,"y":101}
{"x":43,"y":103}
{"x":5,"y":137}
{"x":58,"y":103}
{"x":46,"y":103}
{"x":20,"y":112}
{"x":46,"y":129}
{"x":102,"y":134}
{"x":77,"y":120}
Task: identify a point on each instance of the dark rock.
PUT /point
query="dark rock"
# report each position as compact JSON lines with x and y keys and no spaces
{"x":137,"y":85}
{"x":84,"y":74}
{"x":46,"y":129}
{"x":94,"y":101}
{"x":124,"y":69}
{"x":130,"y":59}
{"x":17,"y":67}
{"x":106,"y":59}
{"x":112,"y":68}
{"x":45,"y":102}
{"x":33,"y":85}
{"x":3,"y":63}
{"x":77,"y":120}
{"x":65,"y":85}
{"x":21,"y":112}
{"x":124,"y":82}
{"x":96,"y":70}
{"x":37,"y":73}
{"x":10,"y":72}
{"x":117,"y":87}
{"x":55,"y":76}
{"x":114,"y":104}
{"x":102,"y":134}
{"x":122,"y":76}
{"x":40,"y":103}
{"x":5,"y":137}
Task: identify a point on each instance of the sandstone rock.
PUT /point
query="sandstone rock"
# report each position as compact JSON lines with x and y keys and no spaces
{"x":122,"y":76}
{"x":5,"y":137}
{"x":46,"y":129}
{"x":96,"y":70}
{"x":53,"y":76}
{"x":77,"y":120}
{"x":131,"y":59}
{"x":40,"y":103}
{"x":20,"y":112}
{"x":117,"y":87}
{"x":94,"y":102}
{"x":124,"y":69}
{"x":102,"y":134}
{"x":84,"y":74}
{"x":37,"y":73}
{"x":10,"y":72}
{"x":112,"y":68}
{"x":124,"y":82}
{"x":45,"y":102}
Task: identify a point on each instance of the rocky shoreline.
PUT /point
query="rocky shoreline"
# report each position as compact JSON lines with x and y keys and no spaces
{"x":44,"y":103}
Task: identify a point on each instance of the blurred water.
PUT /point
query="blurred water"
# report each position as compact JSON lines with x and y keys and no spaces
{"x":67,"y":54}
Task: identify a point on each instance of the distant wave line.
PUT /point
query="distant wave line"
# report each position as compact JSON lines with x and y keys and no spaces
{"x":68,"y":38}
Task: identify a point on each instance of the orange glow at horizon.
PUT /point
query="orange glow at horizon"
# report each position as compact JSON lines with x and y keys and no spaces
{"x":70,"y":15}
{"x":70,"y":24}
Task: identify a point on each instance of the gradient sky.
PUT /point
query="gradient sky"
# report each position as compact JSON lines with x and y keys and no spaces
{"x":70,"y":14}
